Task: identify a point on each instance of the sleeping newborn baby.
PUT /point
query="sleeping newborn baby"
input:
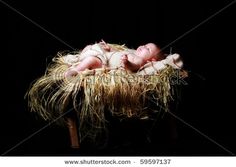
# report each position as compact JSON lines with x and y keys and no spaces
{"x":105,"y":55}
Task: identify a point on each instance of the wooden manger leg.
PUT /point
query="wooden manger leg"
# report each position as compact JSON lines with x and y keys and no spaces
{"x":72,"y":126}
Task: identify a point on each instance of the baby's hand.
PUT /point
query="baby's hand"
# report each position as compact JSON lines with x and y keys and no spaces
{"x":124,"y":60}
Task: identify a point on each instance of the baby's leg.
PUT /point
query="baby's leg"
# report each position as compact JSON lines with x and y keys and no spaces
{"x":88,"y":63}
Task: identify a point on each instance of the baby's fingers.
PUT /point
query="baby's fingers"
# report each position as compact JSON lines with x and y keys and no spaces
{"x":124,"y":57}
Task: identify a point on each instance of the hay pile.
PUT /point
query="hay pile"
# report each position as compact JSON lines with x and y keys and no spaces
{"x":92,"y":92}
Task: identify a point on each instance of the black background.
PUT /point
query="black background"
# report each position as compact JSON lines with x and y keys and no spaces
{"x":208,"y":51}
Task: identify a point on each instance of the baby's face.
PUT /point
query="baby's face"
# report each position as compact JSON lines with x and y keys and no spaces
{"x":148,"y":51}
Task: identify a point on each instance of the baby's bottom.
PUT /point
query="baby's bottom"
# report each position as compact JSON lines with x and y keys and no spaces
{"x":87,"y":63}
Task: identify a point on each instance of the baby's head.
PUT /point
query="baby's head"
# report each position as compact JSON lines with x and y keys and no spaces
{"x":150,"y":51}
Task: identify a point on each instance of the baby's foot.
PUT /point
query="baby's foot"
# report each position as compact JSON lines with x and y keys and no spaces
{"x":105,"y":46}
{"x":71,"y":73}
